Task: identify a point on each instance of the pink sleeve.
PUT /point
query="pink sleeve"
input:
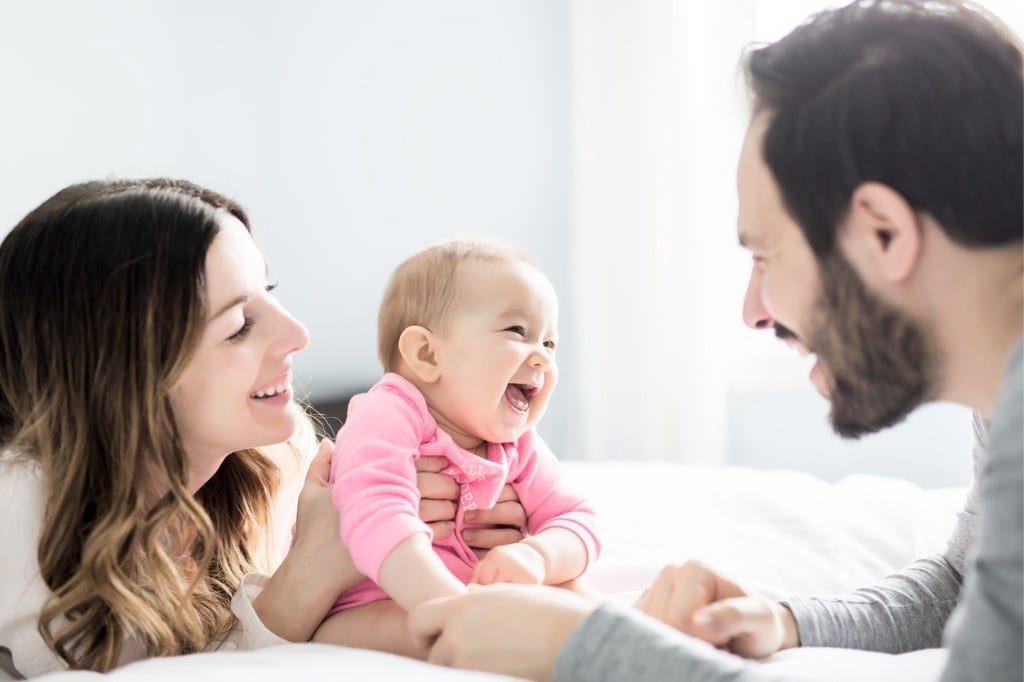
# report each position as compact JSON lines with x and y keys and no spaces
{"x":537,"y":479}
{"x":374,"y":475}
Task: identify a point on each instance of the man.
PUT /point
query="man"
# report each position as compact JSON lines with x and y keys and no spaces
{"x":880,"y":194}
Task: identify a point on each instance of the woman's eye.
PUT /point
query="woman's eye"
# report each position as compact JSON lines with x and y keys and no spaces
{"x":550,"y":344}
{"x":517,"y":329}
{"x":270,"y":287}
{"x":243,"y":331}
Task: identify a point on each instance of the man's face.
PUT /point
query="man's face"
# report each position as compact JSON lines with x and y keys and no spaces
{"x":873,"y":361}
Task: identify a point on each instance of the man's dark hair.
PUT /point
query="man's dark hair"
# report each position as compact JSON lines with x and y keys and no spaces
{"x":926,"y":97}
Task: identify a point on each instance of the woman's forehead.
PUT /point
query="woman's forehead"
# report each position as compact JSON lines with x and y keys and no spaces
{"x":235,"y":267}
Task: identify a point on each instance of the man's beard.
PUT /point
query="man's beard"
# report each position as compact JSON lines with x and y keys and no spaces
{"x":878,"y":361}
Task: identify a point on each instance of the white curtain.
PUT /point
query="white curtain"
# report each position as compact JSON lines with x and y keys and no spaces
{"x":657,"y":280}
{"x":658,"y":116}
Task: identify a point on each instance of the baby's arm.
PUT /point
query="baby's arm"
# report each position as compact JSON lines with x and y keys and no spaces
{"x":552,"y":557}
{"x":413,"y":573}
{"x":562,"y":540}
{"x":564,"y":553}
{"x":374,"y":479}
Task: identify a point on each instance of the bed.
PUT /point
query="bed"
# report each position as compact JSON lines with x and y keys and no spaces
{"x":781,"y":532}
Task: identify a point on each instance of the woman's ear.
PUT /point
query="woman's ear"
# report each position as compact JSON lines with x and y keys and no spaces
{"x":416,"y":345}
{"x":882,"y":235}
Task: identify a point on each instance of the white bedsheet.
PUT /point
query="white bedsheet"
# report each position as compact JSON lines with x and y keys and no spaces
{"x":781,"y":532}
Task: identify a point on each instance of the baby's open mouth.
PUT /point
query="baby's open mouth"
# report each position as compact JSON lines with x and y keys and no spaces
{"x":519,"y":395}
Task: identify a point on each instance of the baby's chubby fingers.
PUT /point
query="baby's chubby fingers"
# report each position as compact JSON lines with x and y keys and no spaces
{"x":485,"y":573}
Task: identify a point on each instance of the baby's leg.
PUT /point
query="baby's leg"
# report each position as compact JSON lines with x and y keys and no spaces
{"x":379,"y":625}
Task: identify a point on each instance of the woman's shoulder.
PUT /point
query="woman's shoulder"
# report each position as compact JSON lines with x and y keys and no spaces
{"x":21,"y":498}
{"x":22,"y":495}
{"x":21,"y":476}
{"x":22,"y":591}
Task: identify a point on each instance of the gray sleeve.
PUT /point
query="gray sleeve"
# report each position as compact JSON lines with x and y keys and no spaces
{"x":985,"y":636}
{"x":906,"y":611}
{"x":618,"y":643}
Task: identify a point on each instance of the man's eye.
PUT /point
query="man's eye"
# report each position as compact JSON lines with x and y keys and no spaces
{"x":243,"y":331}
{"x":516,"y":329}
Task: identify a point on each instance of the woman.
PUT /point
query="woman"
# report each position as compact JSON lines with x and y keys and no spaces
{"x":144,"y":382}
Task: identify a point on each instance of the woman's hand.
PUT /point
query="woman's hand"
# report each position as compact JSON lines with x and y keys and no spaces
{"x":317,"y":568}
{"x":697,"y":601}
{"x":515,"y":630}
{"x":439,"y":496}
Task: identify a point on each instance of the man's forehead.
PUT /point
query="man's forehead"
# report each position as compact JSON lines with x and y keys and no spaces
{"x":759,"y":202}
{"x":751,"y":168}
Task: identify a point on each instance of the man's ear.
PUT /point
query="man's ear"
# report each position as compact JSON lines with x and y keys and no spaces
{"x":882,"y":234}
{"x":417,"y":348}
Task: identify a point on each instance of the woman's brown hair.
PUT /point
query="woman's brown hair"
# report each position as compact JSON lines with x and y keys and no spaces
{"x":101,"y":306}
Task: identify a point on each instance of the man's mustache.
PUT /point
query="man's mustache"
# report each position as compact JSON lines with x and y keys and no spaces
{"x":784,"y":333}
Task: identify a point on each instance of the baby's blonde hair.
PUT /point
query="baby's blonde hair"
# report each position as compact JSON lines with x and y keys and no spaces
{"x":422,"y":291}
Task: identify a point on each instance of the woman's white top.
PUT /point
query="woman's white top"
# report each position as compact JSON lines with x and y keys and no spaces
{"x":23,"y":592}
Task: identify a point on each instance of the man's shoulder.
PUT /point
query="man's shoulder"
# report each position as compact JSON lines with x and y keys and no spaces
{"x":1006,"y":432}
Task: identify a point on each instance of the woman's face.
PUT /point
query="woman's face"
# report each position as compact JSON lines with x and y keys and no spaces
{"x":236,"y":391}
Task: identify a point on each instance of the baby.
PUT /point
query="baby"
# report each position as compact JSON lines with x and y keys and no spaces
{"x":467,"y":334}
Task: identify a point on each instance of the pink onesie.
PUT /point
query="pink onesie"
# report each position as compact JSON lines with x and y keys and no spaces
{"x":374,"y":479}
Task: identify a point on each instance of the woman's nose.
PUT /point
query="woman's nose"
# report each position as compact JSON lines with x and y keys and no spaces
{"x":293,"y":335}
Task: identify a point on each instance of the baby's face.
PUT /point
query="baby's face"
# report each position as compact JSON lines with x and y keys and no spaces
{"x":497,"y":357}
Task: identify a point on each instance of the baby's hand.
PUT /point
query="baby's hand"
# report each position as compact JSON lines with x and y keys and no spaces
{"x":515,"y":563}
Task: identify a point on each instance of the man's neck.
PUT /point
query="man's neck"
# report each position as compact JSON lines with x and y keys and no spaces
{"x":981,"y":317}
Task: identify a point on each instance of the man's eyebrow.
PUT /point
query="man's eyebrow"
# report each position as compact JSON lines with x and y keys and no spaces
{"x":231,"y":304}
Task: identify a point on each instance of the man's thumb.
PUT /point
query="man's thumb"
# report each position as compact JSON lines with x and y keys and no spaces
{"x":721,"y":621}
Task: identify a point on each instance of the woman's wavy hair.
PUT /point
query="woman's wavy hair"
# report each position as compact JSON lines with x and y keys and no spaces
{"x":102,"y":304}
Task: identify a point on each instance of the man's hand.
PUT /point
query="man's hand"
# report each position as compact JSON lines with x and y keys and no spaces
{"x":438,"y":503}
{"x":515,"y":630}
{"x":516,"y":563}
{"x":697,"y":601}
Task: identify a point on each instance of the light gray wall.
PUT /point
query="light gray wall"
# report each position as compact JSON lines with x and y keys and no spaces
{"x":789,"y":430}
{"x":355,"y":132}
